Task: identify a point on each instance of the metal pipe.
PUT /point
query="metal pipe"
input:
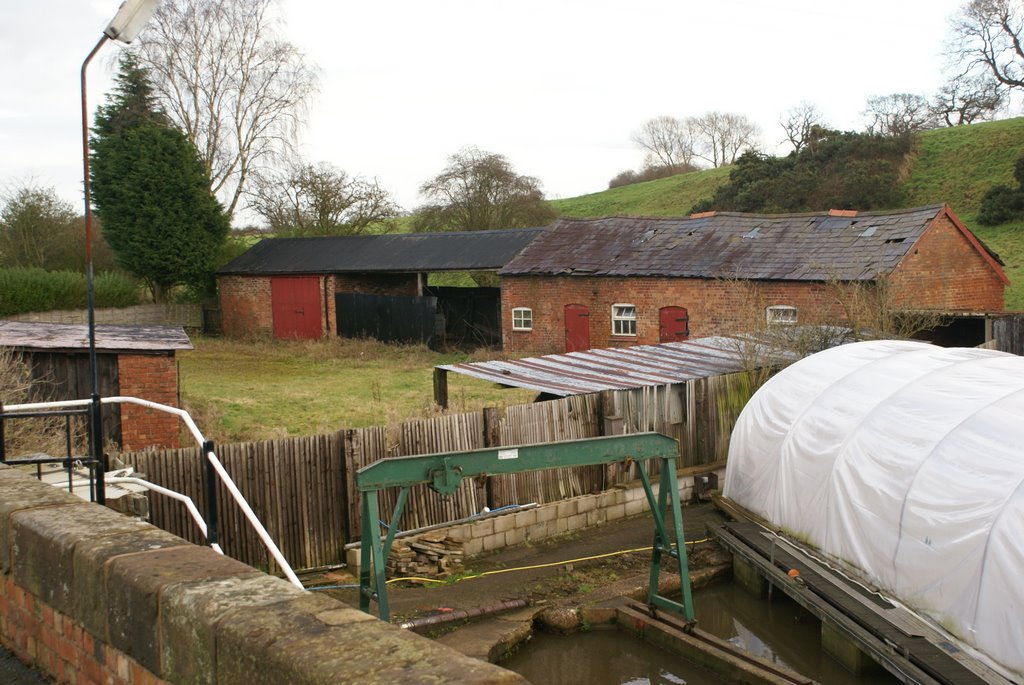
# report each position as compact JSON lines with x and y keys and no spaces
{"x":184,"y":499}
{"x":463,"y":614}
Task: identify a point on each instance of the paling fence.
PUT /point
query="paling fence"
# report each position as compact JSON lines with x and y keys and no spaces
{"x":303,"y":488}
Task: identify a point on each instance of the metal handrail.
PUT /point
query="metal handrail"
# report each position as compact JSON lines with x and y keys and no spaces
{"x":211,"y":458}
{"x":190,"y":505}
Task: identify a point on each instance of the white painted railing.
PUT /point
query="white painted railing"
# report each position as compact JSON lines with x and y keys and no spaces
{"x":218,"y":467}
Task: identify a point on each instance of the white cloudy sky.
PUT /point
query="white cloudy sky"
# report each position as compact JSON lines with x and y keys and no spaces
{"x":557,"y":86}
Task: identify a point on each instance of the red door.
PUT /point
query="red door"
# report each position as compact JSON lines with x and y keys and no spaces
{"x":295,"y":301}
{"x":675,"y":324}
{"x":577,"y":328}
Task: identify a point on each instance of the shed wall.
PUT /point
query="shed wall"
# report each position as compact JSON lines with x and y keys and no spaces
{"x":944,"y":271}
{"x":245,"y":306}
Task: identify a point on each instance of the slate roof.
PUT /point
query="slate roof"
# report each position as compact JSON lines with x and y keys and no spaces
{"x":27,"y":335}
{"x":400,"y":252}
{"x":803,"y":247}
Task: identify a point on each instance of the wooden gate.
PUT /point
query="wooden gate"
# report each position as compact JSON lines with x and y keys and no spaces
{"x":577,"y":328}
{"x":295,"y":301}
{"x":674,"y":324}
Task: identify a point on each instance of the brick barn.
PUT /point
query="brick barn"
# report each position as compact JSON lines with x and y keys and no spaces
{"x":136,"y":361}
{"x":618,"y":281}
{"x":372,"y":286}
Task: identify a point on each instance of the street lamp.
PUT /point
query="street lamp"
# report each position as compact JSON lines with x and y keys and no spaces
{"x":131,"y":16}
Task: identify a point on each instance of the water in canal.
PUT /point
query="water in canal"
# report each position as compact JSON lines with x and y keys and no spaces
{"x":779,"y":631}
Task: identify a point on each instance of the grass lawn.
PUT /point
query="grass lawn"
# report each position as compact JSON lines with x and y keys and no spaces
{"x":240,"y":391}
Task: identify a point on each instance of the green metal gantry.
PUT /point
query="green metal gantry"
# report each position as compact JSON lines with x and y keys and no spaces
{"x":443,"y":473}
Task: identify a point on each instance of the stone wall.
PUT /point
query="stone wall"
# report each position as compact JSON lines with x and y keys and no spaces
{"x":91,"y":596}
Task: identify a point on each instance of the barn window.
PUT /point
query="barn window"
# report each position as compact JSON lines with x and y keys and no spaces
{"x":623,"y":319}
{"x":522,"y":319}
{"x":782,"y":315}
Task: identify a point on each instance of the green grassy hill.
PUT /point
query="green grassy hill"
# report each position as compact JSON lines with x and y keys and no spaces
{"x":950,"y":165}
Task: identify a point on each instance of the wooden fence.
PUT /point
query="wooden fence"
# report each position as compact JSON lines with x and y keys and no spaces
{"x":303,"y":489}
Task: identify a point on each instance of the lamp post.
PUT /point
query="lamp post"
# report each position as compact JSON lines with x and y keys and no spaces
{"x":131,"y":16}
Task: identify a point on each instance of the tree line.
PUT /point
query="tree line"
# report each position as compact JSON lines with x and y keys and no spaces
{"x":207,"y":106}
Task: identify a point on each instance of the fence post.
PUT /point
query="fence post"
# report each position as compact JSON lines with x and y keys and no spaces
{"x":211,"y":495}
{"x":3,"y":440}
{"x":96,"y":448}
{"x":441,"y":387}
{"x":492,"y":438}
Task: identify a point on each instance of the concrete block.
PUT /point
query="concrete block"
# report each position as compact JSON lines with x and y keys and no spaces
{"x":847,"y":653}
{"x":493,"y":542}
{"x":525,"y":519}
{"x":88,"y":577}
{"x":483,"y":528}
{"x":297,"y":641}
{"x":516,"y":536}
{"x":135,"y":583}
{"x":577,"y":522}
{"x":566,"y":508}
{"x":43,"y":542}
{"x":19,"y":491}
{"x":561,"y":526}
{"x":586,"y":503}
{"x":190,"y":613}
{"x":473,"y":547}
{"x":503,"y":524}
{"x":596,"y":517}
{"x":606,"y":499}
{"x":636,"y":506}
{"x":547,"y":512}
{"x":615,"y":512}
{"x":539,"y":531}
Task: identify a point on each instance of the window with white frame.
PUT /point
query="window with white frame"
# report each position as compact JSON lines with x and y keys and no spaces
{"x":522,"y":319}
{"x":623,"y":319}
{"x":781,"y":315}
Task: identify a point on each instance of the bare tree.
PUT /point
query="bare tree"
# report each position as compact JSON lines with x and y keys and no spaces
{"x":225,"y":77}
{"x":986,"y":36}
{"x":899,"y":114}
{"x":800,"y":123}
{"x":308,"y":199}
{"x":667,"y":141}
{"x":721,"y":136}
{"x":478,"y":191}
{"x":966,"y":99}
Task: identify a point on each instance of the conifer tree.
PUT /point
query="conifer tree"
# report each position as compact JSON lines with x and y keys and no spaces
{"x":151,"y":192}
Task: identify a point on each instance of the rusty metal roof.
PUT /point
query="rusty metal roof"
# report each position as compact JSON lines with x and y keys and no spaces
{"x":27,"y":335}
{"x":579,"y":373}
{"x":818,"y":247}
{"x":395,"y":252}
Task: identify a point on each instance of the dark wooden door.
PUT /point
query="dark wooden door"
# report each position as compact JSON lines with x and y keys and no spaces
{"x":577,"y":328}
{"x":295,"y":301}
{"x":674,"y":324}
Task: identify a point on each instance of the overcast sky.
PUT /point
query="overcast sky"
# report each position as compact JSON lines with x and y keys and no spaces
{"x":557,"y":86}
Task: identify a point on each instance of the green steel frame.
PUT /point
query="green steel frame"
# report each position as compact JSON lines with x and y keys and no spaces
{"x":443,"y":473}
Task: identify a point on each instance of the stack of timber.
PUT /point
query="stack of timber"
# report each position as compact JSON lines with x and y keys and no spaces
{"x":431,"y":555}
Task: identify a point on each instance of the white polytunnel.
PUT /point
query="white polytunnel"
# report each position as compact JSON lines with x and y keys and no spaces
{"x":904,"y":461}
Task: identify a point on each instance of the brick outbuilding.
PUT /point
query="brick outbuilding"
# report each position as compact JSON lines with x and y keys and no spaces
{"x":632,"y":281}
{"x":134,"y":361}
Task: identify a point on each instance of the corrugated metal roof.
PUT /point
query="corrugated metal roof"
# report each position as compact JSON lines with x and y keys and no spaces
{"x":63,"y":336}
{"x":399,"y":252}
{"x":817,"y":247}
{"x":579,"y":373}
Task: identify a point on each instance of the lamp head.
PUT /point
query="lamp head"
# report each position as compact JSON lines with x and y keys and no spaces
{"x":130,"y":19}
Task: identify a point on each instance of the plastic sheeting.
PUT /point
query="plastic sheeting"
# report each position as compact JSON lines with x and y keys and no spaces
{"x":905,"y":461}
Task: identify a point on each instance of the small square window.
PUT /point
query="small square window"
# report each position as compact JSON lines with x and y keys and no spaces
{"x":781,"y":315}
{"x":522,"y":319}
{"x":623,"y":319}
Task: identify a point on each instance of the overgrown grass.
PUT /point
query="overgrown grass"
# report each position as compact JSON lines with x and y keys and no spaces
{"x":957,"y":165}
{"x":672,"y":196}
{"x":241,"y":391}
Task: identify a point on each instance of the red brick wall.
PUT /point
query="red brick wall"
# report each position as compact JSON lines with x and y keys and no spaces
{"x":245,"y":309}
{"x":58,"y":646}
{"x":153,"y":378}
{"x":944,"y":271}
{"x":714,"y":307}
